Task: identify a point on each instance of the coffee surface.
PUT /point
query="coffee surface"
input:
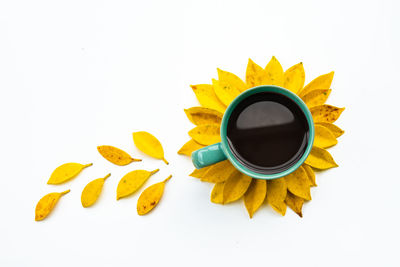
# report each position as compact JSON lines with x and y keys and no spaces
{"x":268,"y":132}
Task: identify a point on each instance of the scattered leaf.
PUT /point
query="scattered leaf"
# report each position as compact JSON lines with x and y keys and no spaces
{"x":255,"y":75}
{"x":319,"y":158}
{"x":274,"y":72}
{"x":116,"y":155}
{"x":66,"y":172}
{"x":310,"y":174}
{"x":316,"y":97}
{"x":298,"y":183}
{"x":149,"y":145}
{"x":218,"y":172}
{"x":231,"y":79}
{"x":276,"y":194}
{"x":206,"y":134}
{"x":224,"y":91}
{"x":235,"y":186}
{"x":150,"y":197}
{"x":206,"y":96}
{"x":295,"y":203}
{"x":323,"y":137}
{"x":325,"y":113}
{"x":188,"y":148}
{"x":92,"y":191}
{"x":217,"y":194}
{"x":321,"y":82}
{"x":332,"y":127}
{"x":294,"y":78}
{"x":132,"y":181}
{"x":200,"y":116}
{"x":255,"y":195}
{"x":46,"y":205}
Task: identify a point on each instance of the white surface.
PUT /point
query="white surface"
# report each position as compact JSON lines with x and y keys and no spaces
{"x":77,"y":74}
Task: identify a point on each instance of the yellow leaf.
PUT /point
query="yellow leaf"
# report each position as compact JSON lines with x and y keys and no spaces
{"x":116,"y":155}
{"x":206,"y":134}
{"x":149,"y":145}
{"x":255,"y":75}
{"x":316,"y":97}
{"x":294,"y":78}
{"x":325,"y":113}
{"x":231,"y":79}
{"x":219,"y":172}
{"x":200,"y":115}
{"x":310,"y":174}
{"x":224,"y":91}
{"x":321,"y":82}
{"x":207,"y":98}
{"x":276,"y":194}
{"x":189,"y":147}
{"x":46,"y":205}
{"x":132,"y":181}
{"x":332,"y":127}
{"x":323,"y":137}
{"x":150,"y":197}
{"x":274,"y":72}
{"x":199,"y":173}
{"x":255,"y":195}
{"x":92,"y":191}
{"x":235,"y":186}
{"x":295,"y":203}
{"x":66,"y":172}
{"x":319,"y":158}
{"x":217,"y":194}
{"x":298,"y":183}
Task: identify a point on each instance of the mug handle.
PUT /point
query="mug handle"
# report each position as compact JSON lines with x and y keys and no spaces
{"x":208,"y":155}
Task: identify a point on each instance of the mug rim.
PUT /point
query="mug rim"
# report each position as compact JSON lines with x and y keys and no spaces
{"x":258,"y":89}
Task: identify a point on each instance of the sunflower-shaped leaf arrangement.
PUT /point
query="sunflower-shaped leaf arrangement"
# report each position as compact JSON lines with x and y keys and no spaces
{"x":230,"y":184}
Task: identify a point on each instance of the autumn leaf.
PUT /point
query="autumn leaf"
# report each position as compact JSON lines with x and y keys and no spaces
{"x":255,"y":75}
{"x":276,"y":195}
{"x":188,"y":148}
{"x":231,"y":79}
{"x":235,"y":186}
{"x":295,"y":203}
{"x":325,"y":113}
{"x":320,"y":158}
{"x":200,"y":116}
{"x":321,"y":82}
{"x":298,"y":183}
{"x":207,"y":98}
{"x":219,"y":172}
{"x":274,"y":72}
{"x":255,"y":195}
{"x":323,"y":137}
{"x":206,"y":134}
{"x":316,"y":97}
{"x":294,"y":77}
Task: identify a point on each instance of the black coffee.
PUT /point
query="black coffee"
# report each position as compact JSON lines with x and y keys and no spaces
{"x":268,"y":132}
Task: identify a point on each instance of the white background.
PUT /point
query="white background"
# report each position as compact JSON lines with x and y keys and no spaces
{"x":78,"y":74}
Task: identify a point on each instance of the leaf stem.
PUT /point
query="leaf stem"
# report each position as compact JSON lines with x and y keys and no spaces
{"x":153,"y":172}
{"x":166,"y":162}
{"x":167,"y":179}
{"x":65,"y":192}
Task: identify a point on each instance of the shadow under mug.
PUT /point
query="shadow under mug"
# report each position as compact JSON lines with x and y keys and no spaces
{"x":221,"y":151}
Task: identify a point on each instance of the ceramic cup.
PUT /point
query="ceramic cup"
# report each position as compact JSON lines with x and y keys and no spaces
{"x":221,"y":151}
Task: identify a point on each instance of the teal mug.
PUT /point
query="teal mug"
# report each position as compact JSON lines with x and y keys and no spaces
{"x":221,"y":151}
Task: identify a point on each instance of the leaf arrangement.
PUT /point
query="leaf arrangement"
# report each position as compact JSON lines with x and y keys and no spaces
{"x":230,"y":184}
{"x":128,"y":185}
